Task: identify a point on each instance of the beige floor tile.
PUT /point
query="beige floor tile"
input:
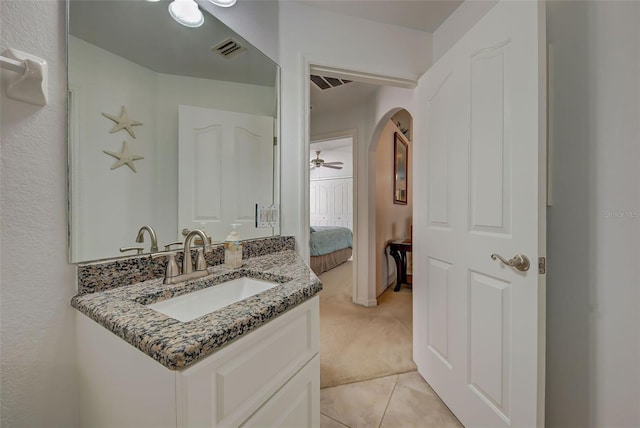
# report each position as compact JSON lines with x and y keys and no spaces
{"x":410,"y":408}
{"x":415,"y":381}
{"x":392,"y":378}
{"x":360,"y":404}
{"x":327,"y":422}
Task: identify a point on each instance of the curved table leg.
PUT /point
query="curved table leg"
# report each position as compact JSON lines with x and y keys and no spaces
{"x":400,"y":259}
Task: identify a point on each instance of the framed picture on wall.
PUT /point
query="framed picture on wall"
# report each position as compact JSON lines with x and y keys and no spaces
{"x":400,"y":165}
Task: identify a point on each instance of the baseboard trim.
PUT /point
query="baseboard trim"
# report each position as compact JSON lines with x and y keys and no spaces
{"x":366,"y":302}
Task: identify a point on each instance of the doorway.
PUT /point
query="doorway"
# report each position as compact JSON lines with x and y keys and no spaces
{"x":335,"y":109}
{"x":359,"y":104}
{"x":331,"y":183}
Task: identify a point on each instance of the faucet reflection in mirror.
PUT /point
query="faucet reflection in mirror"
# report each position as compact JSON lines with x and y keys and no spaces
{"x":152,"y":236}
{"x":152,"y":66}
{"x":140,"y":239}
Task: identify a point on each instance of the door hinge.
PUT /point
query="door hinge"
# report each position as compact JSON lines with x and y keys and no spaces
{"x":275,"y":141}
{"x":542,"y":265}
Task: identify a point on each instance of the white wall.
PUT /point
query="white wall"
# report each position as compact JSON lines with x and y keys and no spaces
{"x":110,"y":206}
{"x":364,"y":46}
{"x":37,"y":344}
{"x":457,"y":24}
{"x":393,"y":221}
{"x":342,"y":122}
{"x":593,"y":296}
{"x":303,"y":38}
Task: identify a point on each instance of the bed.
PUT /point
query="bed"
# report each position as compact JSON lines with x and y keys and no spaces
{"x":329,"y":247}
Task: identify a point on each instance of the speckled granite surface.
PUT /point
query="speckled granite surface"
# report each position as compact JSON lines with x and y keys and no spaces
{"x":106,"y":274}
{"x":177,"y":344}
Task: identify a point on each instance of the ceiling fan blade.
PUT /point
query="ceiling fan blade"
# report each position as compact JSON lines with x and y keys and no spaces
{"x":332,"y":166}
{"x":334,"y":163}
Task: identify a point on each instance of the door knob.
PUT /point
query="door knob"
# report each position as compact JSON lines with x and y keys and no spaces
{"x":519,"y":261}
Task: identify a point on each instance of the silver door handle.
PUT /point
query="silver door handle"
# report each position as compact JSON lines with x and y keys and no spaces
{"x":519,"y":261}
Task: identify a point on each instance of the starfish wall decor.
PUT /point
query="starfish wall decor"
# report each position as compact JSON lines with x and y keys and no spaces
{"x":122,"y":122}
{"x":124,"y":157}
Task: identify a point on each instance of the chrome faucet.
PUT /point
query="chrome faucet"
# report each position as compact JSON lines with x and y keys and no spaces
{"x":172,"y":275}
{"x":152,"y":235}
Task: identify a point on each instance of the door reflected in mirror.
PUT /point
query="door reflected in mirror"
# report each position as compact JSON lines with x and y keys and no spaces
{"x":140,"y":152}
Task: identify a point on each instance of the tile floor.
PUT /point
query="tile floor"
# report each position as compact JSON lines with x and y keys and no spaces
{"x":396,"y":401}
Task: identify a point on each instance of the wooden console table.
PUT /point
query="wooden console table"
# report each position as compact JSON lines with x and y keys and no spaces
{"x":398,"y":250}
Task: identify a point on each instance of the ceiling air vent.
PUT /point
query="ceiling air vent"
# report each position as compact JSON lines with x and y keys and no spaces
{"x":327,"y":82}
{"x":228,"y":48}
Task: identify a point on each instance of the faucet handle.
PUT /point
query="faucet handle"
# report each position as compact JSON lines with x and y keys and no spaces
{"x":168,"y":246}
{"x":201,"y":262}
{"x":172,"y":269}
{"x":138,"y":249}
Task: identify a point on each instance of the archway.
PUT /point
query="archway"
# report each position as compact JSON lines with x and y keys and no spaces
{"x":390,"y":201}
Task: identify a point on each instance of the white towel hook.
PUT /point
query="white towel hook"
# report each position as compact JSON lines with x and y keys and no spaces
{"x":31,"y":85}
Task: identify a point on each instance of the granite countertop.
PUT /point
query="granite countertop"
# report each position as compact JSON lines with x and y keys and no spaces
{"x":177,"y":344}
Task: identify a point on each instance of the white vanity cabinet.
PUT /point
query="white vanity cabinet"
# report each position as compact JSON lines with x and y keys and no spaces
{"x":268,"y":377}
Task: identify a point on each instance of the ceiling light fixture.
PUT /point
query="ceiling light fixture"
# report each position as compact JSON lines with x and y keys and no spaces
{"x":186,"y":12}
{"x":223,"y":3}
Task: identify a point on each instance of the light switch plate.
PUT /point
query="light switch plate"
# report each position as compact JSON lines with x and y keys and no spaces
{"x":267,"y":216}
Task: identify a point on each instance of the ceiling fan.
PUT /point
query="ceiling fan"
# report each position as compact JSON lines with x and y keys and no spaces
{"x":317,"y":162}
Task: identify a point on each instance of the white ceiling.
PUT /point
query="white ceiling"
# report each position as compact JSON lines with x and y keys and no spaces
{"x":144,"y":33}
{"x":424,"y":15}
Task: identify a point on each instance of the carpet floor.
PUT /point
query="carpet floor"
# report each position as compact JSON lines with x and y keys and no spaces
{"x":359,"y":343}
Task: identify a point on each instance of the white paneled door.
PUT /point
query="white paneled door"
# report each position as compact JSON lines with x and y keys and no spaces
{"x":225,"y":168}
{"x":478,"y":323}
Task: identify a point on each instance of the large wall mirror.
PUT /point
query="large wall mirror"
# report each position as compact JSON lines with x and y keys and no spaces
{"x":169,"y":126}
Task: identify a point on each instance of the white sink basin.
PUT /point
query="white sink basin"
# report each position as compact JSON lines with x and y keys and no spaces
{"x":193,"y":305}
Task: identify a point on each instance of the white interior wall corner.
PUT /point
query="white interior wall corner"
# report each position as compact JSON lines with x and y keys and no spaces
{"x":458,"y":23}
{"x":593,"y":323}
{"x":304,"y":40}
{"x":38,"y":370}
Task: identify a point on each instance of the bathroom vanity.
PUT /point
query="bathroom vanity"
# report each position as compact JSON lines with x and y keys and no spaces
{"x":252,"y":362}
